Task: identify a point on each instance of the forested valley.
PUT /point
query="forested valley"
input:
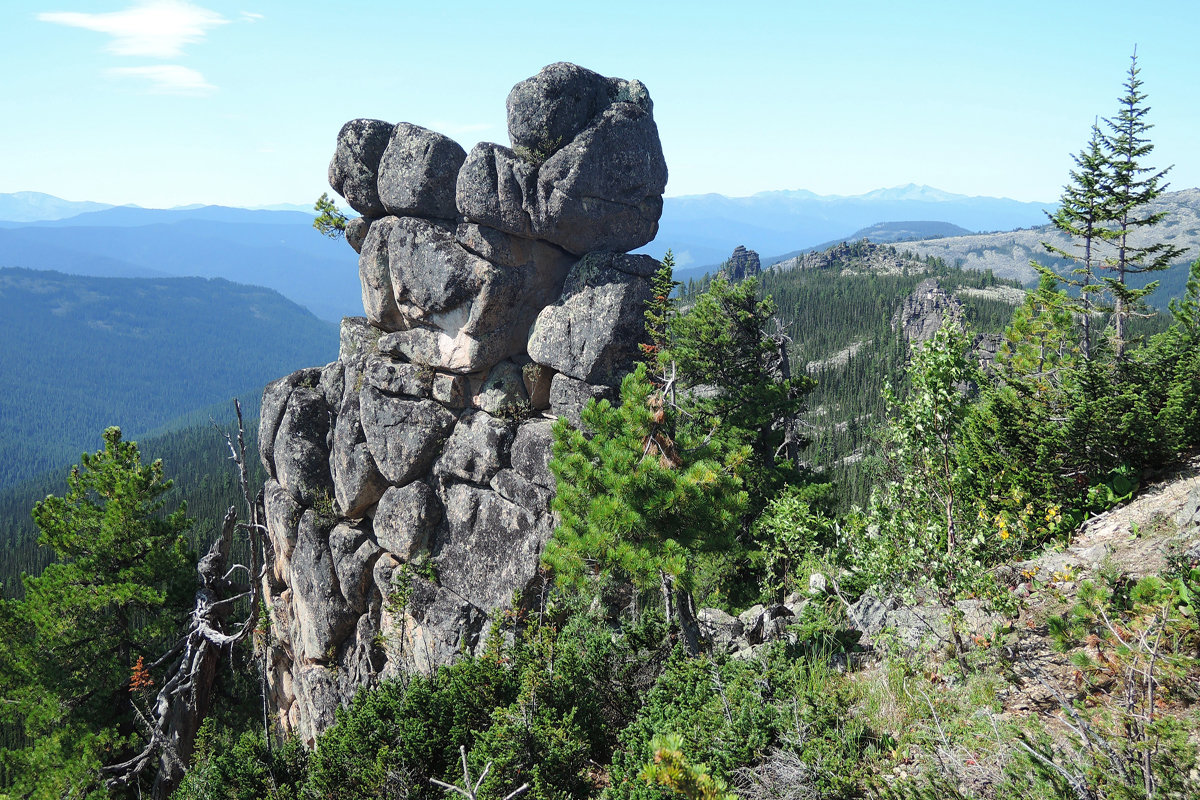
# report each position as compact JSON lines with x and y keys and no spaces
{"x":802,"y":554}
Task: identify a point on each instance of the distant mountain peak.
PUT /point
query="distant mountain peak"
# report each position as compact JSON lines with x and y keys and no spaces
{"x":913,"y":192}
{"x":39,"y":206}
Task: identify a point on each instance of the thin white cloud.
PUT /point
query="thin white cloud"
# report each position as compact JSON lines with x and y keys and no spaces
{"x":166,"y":78}
{"x":251,"y":16}
{"x":154,"y":28}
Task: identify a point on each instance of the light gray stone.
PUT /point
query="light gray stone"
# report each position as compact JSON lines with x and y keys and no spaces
{"x":354,"y":170}
{"x":719,"y":628}
{"x":491,"y":549}
{"x":357,"y":481}
{"x":569,"y":396}
{"x":502,"y":391}
{"x":431,"y":272}
{"x":374,"y":272}
{"x":593,"y":332}
{"x":532,"y":449}
{"x":274,"y":402}
{"x":418,"y":172}
{"x":405,"y":519}
{"x":404,"y":436}
{"x":332,"y":385}
{"x":353,"y":552}
{"x":477,"y":449}
{"x":603,"y":191}
{"x":301,"y":453}
{"x":323,"y":618}
{"x":496,"y":188}
{"x":512,"y":486}
{"x":399,"y":378}
{"x":451,"y":391}
{"x":547,"y":111}
{"x":356,"y":232}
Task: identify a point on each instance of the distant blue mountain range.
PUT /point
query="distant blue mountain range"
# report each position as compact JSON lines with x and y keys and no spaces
{"x":280,"y":250}
{"x":704,"y":229}
{"x":276,"y":249}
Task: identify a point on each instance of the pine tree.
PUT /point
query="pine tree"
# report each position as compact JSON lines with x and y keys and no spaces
{"x":1131,"y":187}
{"x":1081,"y":215}
{"x":634,"y":505}
{"x":329,"y":220}
{"x":737,"y":376}
{"x":117,"y":596}
{"x":660,"y":308}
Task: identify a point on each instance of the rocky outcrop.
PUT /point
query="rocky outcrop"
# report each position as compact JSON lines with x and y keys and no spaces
{"x":742,"y":264}
{"x":924,"y":311}
{"x":409,"y":492}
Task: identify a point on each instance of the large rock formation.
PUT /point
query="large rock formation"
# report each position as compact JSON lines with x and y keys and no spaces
{"x":409,"y":491}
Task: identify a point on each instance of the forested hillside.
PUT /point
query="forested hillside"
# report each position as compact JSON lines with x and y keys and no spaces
{"x":196,"y":458}
{"x":839,"y":317}
{"x":81,"y":354}
{"x":275,"y":249}
{"x":1008,"y":253}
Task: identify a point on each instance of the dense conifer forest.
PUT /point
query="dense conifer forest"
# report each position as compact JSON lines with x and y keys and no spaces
{"x":82,"y":353}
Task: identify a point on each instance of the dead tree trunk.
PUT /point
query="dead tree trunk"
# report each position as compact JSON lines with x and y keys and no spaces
{"x":183,"y":700}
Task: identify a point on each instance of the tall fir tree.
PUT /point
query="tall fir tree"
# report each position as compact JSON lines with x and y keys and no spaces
{"x":660,"y":308}
{"x":737,"y":380}
{"x":1081,"y":215}
{"x":1132,"y":186}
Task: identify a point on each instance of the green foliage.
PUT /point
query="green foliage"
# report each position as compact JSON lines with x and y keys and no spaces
{"x":329,"y":221}
{"x":139,"y":353}
{"x":791,"y":533}
{"x":1081,"y":215}
{"x":660,"y":309}
{"x":670,"y":768}
{"x":231,"y":767}
{"x":117,"y":596}
{"x":847,"y":309}
{"x":1139,"y":650}
{"x":632,"y":501}
{"x":200,"y":475}
{"x":393,"y":739}
{"x":1130,"y":188}
{"x":923,"y":530}
{"x":735,"y":379}
{"x":728,"y":715}
{"x":545,"y":709}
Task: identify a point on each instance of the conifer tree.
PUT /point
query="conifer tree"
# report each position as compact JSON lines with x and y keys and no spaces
{"x":660,"y":308}
{"x":90,"y":623}
{"x":1081,"y":214}
{"x":740,"y":389}
{"x":1131,"y":187}
{"x":634,"y":504}
{"x":329,"y":220}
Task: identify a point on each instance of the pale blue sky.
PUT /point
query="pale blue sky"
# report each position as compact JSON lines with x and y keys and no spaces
{"x":165,"y":102}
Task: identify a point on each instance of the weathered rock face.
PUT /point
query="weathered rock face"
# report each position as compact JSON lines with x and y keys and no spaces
{"x":409,"y":492}
{"x":924,"y":311}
